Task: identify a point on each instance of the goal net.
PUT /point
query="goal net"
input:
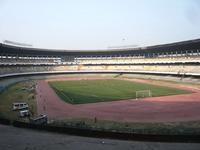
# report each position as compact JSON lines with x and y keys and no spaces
{"x":143,"y":94}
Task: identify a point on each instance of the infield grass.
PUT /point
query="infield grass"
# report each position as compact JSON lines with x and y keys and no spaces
{"x":91,"y":91}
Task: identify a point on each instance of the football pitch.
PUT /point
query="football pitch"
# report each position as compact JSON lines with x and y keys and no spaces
{"x":92,"y":91}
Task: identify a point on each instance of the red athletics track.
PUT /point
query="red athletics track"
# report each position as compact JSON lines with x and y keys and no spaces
{"x":185,"y":107}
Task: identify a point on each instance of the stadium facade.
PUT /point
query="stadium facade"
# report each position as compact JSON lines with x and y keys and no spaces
{"x":180,"y":58}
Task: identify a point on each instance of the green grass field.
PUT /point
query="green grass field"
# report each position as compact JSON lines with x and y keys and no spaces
{"x":15,"y":93}
{"x":91,"y":91}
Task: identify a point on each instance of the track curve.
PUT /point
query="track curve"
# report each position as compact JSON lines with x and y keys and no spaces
{"x":183,"y":107}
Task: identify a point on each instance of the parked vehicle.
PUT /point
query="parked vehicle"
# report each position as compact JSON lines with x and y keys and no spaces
{"x":24,"y":113}
{"x":20,"y":106}
{"x":40,"y":120}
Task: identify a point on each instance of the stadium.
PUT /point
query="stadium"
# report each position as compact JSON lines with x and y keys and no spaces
{"x":142,"y":85}
{"x":100,"y":75}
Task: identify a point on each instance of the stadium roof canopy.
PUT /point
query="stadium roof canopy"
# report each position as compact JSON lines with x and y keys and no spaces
{"x":177,"y":46}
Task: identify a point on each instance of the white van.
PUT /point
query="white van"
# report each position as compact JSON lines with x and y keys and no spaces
{"x":24,"y":113}
{"x":19,"y":106}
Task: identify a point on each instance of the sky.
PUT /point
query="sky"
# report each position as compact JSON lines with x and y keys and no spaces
{"x":98,"y":24}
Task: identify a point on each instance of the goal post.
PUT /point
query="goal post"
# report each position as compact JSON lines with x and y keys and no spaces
{"x":143,"y":94}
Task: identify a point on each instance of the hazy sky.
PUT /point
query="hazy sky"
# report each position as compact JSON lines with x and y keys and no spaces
{"x":98,"y":24}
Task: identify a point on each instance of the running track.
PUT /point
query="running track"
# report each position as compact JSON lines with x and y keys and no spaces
{"x":184,"y":107}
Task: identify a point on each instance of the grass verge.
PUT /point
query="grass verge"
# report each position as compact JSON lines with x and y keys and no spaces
{"x":17,"y":93}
